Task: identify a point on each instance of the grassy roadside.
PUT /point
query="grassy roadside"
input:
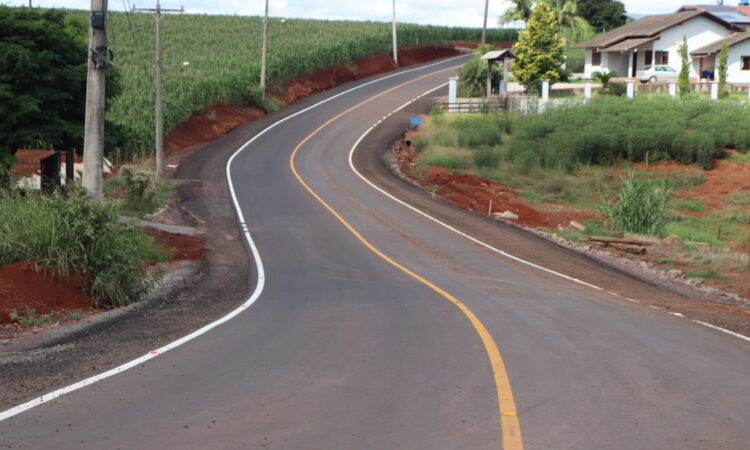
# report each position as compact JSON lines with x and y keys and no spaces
{"x":582,"y":158}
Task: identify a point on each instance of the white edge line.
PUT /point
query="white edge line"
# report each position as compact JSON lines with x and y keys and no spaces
{"x":483,"y":244}
{"x":723,"y":330}
{"x":256,"y":256}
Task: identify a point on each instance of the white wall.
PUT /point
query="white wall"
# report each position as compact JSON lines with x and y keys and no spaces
{"x":699,"y":31}
{"x":735,"y":74}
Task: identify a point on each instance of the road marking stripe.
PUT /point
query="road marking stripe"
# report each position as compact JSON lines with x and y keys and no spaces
{"x":511,"y":428}
{"x":44,"y":398}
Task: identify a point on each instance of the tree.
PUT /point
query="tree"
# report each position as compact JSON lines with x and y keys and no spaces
{"x":723,"y":58}
{"x":520,"y":10}
{"x":573,"y":26}
{"x":43,"y":81}
{"x":684,"y":80}
{"x":603,"y":15}
{"x":473,"y":75}
{"x":539,"y":50}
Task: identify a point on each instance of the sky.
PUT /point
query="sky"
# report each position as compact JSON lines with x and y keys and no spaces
{"x":467,"y":13}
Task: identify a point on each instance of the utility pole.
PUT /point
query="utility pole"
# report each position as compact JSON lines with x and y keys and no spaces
{"x":159,"y":168}
{"x":263,"y":53}
{"x":93,"y":140}
{"x":30,"y":4}
{"x":484,"y":27}
{"x":395,"y":47}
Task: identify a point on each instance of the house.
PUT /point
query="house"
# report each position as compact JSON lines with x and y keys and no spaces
{"x":27,"y":169}
{"x":657,"y":39}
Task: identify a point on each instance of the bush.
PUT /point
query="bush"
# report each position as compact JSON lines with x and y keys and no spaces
{"x":73,"y":235}
{"x":640,"y":207}
{"x":476,"y":131}
{"x":486,"y":156}
{"x":447,"y":161}
{"x":139,"y":195}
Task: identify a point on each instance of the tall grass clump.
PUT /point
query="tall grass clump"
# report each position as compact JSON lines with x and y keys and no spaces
{"x":71,"y":235}
{"x":640,"y":207}
{"x":609,"y":129}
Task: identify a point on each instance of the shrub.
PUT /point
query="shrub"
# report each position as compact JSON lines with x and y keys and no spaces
{"x":73,"y":235}
{"x":447,"y":161}
{"x":486,"y":156}
{"x":476,"y":131}
{"x":640,"y":207}
{"x":139,"y":195}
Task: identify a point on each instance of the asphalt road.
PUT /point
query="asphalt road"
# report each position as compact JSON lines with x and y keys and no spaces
{"x":345,"y":350}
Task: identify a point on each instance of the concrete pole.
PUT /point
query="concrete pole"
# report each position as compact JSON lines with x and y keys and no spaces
{"x":93,"y":139}
{"x":159,"y":168}
{"x":395,"y":45}
{"x":545,"y":90}
{"x":263,"y":54}
{"x":452,"y":91}
{"x":673,"y":89}
{"x":714,"y":90}
{"x":484,"y":27}
{"x":587,"y":88}
{"x":631,"y":89}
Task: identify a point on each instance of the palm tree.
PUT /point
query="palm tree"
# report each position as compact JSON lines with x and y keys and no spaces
{"x":520,"y":10}
{"x":573,"y":27}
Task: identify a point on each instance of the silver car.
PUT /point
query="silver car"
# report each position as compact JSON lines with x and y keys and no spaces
{"x":652,"y":74}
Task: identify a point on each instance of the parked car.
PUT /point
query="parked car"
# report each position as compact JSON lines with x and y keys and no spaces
{"x":652,"y":74}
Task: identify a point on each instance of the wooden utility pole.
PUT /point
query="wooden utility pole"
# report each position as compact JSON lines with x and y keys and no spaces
{"x":159,"y":157}
{"x":484,"y":27}
{"x":93,"y":139}
{"x":263,"y":53}
{"x":395,"y":47}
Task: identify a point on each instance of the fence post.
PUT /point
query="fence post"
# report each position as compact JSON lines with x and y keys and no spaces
{"x":714,"y":90}
{"x":673,"y":89}
{"x":545,"y":90}
{"x":587,"y":88}
{"x":631,"y":88}
{"x":452,"y":89}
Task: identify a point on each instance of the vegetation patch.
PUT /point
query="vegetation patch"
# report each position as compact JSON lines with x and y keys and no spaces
{"x":68,"y":234}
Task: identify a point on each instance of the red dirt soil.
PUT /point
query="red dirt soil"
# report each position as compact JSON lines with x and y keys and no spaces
{"x":219,"y":119}
{"x":23,"y":287}
{"x":475,"y":193}
{"x":184,"y":247}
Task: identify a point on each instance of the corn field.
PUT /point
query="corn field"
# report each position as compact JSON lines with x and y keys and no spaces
{"x":212,"y":59}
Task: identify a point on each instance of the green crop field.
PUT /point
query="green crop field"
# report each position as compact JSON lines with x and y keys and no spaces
{"x":211,"y":59}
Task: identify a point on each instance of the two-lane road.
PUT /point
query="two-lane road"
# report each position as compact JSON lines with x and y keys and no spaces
{"x":379,"y":328}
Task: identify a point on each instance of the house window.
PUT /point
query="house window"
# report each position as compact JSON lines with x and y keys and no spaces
{"x":648,"y":57}
{"x":661,"y":58}
{"x":746,"y":63}
{"x":596,"y":58}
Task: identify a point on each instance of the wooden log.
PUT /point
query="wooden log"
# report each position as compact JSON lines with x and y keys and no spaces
{"x":610,"y":240}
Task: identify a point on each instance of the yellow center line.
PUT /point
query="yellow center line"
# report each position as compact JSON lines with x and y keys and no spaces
{"x":511,"y":427}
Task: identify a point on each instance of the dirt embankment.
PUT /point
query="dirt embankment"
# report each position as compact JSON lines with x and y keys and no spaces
{"x":483,"y":195}
{"x":219,"y":119}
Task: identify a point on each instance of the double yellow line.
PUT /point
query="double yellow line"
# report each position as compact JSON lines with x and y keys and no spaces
{"x":511,"y":427}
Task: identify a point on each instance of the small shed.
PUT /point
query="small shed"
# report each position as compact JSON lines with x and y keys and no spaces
{"x":505,"y":56}
{"x":27,"y":169}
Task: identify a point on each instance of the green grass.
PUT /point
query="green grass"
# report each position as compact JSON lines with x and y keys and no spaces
{"x":688,"y":205}
{"x":709,"y":274}
{"x":223,"y":61}
{"x":30,"y":318}
{"x":69,"y":234}
{"x":742,"y":158}
{"x":738,"y":198}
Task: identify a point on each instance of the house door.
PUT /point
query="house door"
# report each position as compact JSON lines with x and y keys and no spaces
{"x":708,"y":67}
{"x":635,"y":64}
